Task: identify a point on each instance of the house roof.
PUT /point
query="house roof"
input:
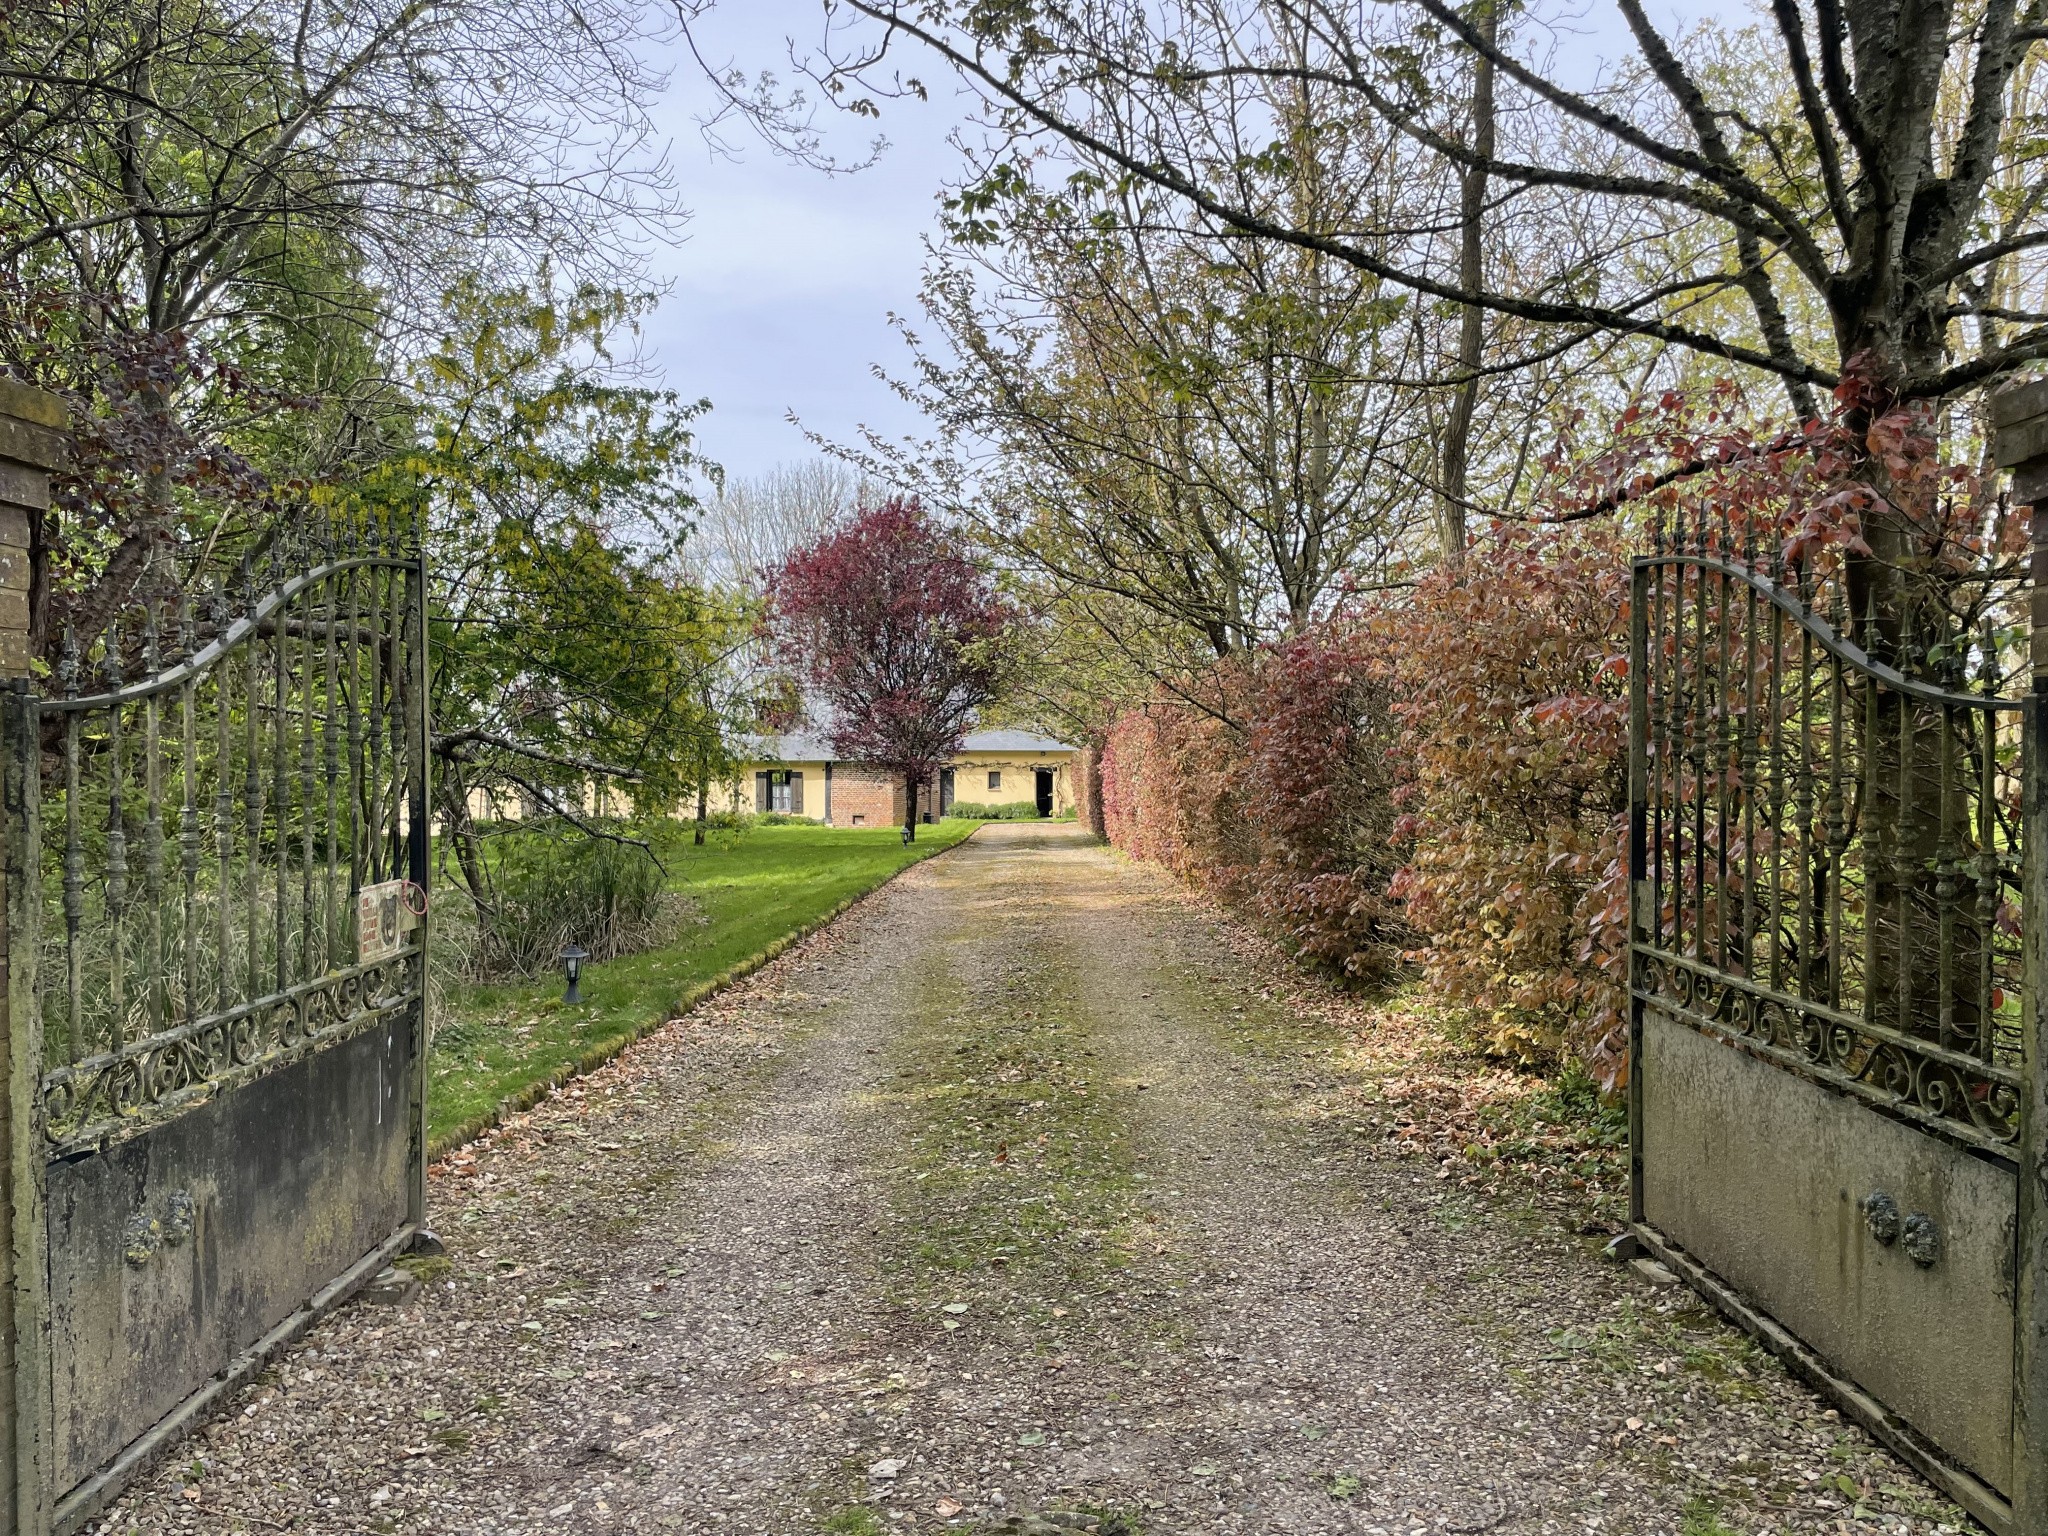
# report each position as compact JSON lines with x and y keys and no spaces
{"x":795,"y":747}
{"x":1012,"y":741}
{"x":802,"y":747}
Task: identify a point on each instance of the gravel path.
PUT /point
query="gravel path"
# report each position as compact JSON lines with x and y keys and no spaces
{"x":1012,"y":1201}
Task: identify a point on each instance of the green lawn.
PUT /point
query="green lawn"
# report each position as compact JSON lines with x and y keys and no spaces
{"x":501,"y":1047}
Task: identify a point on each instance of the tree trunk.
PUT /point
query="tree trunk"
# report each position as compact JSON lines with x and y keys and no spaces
{"x":703,"y":795}
{"x":1918,"y":815}
{"x":459,"y":832}
{"x":1451,"y":502}
{"x":910,"y":787}
{"x":1920,"y":847}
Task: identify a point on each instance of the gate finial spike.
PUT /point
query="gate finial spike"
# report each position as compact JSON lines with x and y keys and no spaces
{"x":67,"y":663}
{"x":186,"y":636}
{"x":149,"y":637}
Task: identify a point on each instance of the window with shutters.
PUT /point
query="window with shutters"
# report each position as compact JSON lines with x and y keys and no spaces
{"x":778,"y":792}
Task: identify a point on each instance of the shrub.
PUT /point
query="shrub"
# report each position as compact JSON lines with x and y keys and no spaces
{"x":1278,"y":796}
{"x":1169,"y":776}
{"x":1443,"y":776}
{"x":1512,"y":693}
{"x":721,"y":820}
{"x":1008,"y":810}
{"x":550,"y":891}
{"x":1316,"y":790}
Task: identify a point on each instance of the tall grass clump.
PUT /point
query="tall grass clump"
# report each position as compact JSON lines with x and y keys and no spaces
{"x":546,"y":892}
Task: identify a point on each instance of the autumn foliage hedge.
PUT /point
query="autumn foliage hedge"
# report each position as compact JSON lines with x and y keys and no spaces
{"x":1512,"y":694}
{"x":1274,"y":788}
{"x":1440,"y":779}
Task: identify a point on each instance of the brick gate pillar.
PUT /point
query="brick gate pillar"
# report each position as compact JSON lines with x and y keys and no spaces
{"x":33,"y":442}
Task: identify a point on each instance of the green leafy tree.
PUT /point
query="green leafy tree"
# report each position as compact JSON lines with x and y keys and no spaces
{"x":577,"y":666}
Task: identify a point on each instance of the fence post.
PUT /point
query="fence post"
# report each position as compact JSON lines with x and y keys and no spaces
{"x":420,"y":728}
{"x":2019,"y":419}
{"x":33,"y":442}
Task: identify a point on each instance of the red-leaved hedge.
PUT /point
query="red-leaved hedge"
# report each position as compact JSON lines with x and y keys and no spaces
{"x":1275,"y":791}
{"x":1441,"y":777}
{"x":1512,"y":693}
{"x":1443,"y":773}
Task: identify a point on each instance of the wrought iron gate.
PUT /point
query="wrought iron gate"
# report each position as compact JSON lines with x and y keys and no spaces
{"x":218,"y":1044}
{"x":1832,"y":1003}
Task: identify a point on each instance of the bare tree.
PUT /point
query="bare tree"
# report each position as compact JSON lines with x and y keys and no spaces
{"x":753,"y":524}
{"x":1472,"y":185}
{"x":1862,"y":180}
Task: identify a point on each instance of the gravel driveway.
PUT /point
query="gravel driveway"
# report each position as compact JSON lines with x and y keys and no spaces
{"x":1014,"y":1200}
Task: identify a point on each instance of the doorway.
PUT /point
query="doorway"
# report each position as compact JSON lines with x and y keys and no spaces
{"x":1044,"y":791}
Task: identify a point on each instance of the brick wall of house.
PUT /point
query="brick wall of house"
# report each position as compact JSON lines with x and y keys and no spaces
{"x":871,"y":797}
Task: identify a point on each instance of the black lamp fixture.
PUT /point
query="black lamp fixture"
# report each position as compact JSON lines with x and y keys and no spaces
{"x":572,"y":967}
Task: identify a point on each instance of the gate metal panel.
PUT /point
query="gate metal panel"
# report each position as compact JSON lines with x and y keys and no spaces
{"x":1833,"y":1076}
{"x":225,"y":1105}
{"x":1763,"y":1171}
{"x":249,"y":1203}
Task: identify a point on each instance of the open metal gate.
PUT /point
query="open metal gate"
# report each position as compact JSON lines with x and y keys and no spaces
{"x":216,"y":861}
{"x":1834,"y":1018}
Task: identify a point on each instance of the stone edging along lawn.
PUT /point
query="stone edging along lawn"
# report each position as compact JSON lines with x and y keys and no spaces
{"x":596,"y":1056}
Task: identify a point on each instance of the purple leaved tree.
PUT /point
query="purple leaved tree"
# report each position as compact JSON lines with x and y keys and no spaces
{"x":900,"y":639}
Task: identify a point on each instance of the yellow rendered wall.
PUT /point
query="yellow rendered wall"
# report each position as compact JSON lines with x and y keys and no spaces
{"x":970,"y":781}
{"x":722,"y":795}
{"x":1020,"y":779}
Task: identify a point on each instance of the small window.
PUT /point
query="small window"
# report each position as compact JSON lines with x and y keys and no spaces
{"x":995,"y":778}
{"x":859,"y":820}
{"x":778,"y":792}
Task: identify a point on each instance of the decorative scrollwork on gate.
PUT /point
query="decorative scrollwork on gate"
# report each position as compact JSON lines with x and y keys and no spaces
{"x":251,"y":760}
{"x":88,"y":1101}
{"x":1946,"y":1089}
{"x":1827,"y":845}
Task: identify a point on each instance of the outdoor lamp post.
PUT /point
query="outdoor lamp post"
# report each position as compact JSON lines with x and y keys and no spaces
{"x":572,"y":967}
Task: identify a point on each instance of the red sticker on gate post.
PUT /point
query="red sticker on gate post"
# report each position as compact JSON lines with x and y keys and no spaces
{"x":383,"y":918}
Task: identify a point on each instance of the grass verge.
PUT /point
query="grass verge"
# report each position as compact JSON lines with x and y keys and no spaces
{"x":502,"y":1048}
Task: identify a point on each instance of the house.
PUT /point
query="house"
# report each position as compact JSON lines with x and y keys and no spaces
{"x":796,"y":775}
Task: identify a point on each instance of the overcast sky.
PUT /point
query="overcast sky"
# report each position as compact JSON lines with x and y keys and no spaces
{"x":780,"y":293}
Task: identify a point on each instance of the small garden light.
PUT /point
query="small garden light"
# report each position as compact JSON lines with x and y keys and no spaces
{"x":572,"y":967}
